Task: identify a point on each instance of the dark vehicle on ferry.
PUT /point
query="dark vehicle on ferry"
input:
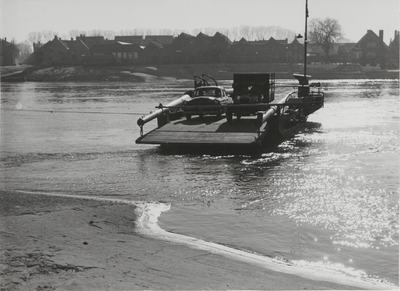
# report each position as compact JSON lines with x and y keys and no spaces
{"x":206,"y":99}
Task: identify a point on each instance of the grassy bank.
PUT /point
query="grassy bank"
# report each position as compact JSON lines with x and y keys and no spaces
{"x":187,"y":71}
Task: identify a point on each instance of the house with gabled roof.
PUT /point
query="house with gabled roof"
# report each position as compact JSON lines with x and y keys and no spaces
{"x":219,"y":47}
{"x":181,"y":50}
{"x":78,"y":49}
{"x":154,"y":53}
{"x":55,"y":53}
{"x":59,"y":52}
{"x":8,"y":53}
{"x":294,"y":52}
{"x":370,"y":49}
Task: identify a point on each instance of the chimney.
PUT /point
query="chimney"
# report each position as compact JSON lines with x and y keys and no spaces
{"x":381,"y":35}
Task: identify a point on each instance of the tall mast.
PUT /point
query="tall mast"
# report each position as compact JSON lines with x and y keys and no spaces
{"x":305,"y":42}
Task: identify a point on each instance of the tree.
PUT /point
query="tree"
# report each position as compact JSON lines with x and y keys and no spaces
{"x":48,"y":35}
{"x":75,"y":32}
{"x":25,"y":49}
{"x":246,"y":32}
{"x":34,"y":37}
{"x":324,"y":32}
{"x":260,"y":32}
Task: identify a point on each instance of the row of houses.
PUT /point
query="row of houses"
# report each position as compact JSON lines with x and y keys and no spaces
{"x":370,"y":49}
{"x":186,"y":48}
{"x":156,"y":49}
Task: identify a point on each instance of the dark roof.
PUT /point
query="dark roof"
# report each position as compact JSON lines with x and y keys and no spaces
{"x":136,"y":39}
{"x":295,"y":41}
{"x":222,"y":36}
{"x":162,"y":39}
{"x":202,"y":35}
{"x":370,"y":35}
{"x":185,"y":35}
{"x":155,"y":44}
{"x":281,"y":41}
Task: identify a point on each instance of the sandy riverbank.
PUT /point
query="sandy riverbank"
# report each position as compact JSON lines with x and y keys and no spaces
{"x":63,"y":243}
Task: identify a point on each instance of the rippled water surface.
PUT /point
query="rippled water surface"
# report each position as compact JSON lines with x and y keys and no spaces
{"x":327,"y":197}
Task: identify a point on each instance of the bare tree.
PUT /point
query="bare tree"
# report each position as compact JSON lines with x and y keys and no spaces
{"x":34,"y":37}
{"x":260,"y":32}
{"x":196,"y":31}
{"x":76,"y":32}
{"x":149,"y":31}
{"x":246,"y":32}
{"x":48,"y":35}
{"x":138,"y":31}
{"x":165,"y":31}
{"x":324,"y":32}
{"x":210,"y":31}
{"x":126,"y":32}
{"x":109,"y":34}
{"x":25,"y":49}
{"x":235,"y":33}
{"x":95,"y":32}
{"x":226,"y":32}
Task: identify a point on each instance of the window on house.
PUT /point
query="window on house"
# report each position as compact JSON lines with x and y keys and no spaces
{"x":371,"y":45}
{"x":135,"y":55}
{"x":130,"y":55}
{"x":356,"y":55}
{"x":371,"y":55}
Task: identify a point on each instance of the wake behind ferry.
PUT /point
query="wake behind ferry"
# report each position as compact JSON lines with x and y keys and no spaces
{"x":247,"y":115}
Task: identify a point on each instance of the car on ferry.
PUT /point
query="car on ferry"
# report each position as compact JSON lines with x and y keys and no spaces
{"x":207,"y":100}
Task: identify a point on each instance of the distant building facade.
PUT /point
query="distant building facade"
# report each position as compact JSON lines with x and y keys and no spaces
{"x":370,"y":49}
{"x":8,"y":53}
{"x":266,"y":51}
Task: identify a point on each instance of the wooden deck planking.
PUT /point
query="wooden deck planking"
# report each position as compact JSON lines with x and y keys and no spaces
{"x":204,"y":131}
{"x":159,"y":137}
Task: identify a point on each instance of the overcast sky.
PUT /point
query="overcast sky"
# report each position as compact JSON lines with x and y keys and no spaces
{"x":20,"y":17}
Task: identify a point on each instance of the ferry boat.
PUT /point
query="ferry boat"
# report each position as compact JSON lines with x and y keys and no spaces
{"x":246,"y":116}
{"x":211,"y":116}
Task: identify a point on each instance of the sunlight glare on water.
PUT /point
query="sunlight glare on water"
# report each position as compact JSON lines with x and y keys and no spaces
{"x":327,"y":197}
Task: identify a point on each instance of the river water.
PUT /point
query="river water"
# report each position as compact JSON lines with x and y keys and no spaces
{"x":326,"y":198}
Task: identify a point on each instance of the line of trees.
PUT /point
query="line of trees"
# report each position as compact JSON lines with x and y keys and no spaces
{"x":235,"y":33}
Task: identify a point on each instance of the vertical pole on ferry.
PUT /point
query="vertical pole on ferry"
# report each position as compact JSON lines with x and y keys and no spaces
{"x":305,"y":42}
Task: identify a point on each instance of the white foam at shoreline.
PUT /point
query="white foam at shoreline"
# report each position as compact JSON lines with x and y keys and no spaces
{"x":147,"y":224}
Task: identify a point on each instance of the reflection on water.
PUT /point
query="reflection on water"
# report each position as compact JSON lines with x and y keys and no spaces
{"x":327,"y":197}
